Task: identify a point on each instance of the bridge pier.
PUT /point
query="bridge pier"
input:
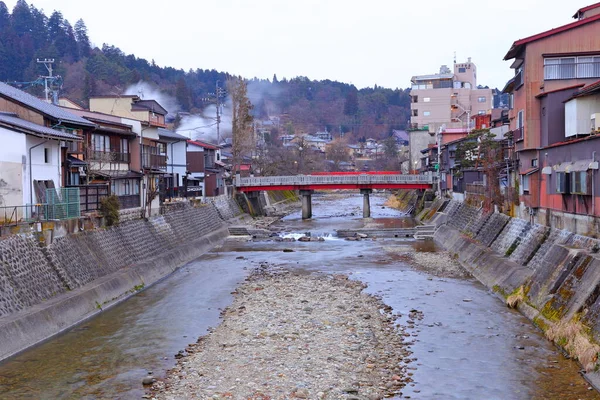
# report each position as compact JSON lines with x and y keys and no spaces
{"x":366,"y":202}
{"x":306,"y":203}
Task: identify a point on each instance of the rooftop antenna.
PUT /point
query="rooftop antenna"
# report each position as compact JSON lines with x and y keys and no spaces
{"x":454,"y":57}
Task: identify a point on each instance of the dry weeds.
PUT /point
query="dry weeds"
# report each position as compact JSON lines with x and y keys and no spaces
{"x":572,"y":336}
{"x":514,"y":299}
{"x":393,"y":202}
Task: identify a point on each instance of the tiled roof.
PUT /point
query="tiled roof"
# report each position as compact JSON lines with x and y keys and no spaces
{"x":12,"y":121}
{"x":518,"y":45}
{"x":203,"y":144}
{"x":592,"y":88}
{"x":41,"y":106}
{"x":167,"y":134}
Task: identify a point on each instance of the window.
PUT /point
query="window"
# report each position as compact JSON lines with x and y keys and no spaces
{"x":125,"y":187}
{"x":511,"y":101}
{"x":571,"y":67}
{"x":162,"y":148}
{"x":124,"y":146}
{"x":520,"y":119}
{"x":534,"y":163}
{"x":481,"y":99}
{"x":426,"y":99}
{"x":415,"y":99}
{"x":579,"y":182}
{"x":100,"y":142}
{"x":415,"y":113}
{"x":462,"y":70}
{"x":525,"y":184}
{"x":47,"y":155}
{"x":562,"y":185}
{"x":426,"y":113}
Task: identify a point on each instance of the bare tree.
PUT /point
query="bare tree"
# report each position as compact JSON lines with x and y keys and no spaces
{"x":337,"y":151}
{"x":241,"y":124}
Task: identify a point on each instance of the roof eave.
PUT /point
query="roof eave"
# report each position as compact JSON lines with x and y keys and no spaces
{"x":38,"y":134}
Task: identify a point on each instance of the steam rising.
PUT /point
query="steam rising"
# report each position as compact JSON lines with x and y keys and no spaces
{"x":204,"y":127}
{"x":148,"y":91}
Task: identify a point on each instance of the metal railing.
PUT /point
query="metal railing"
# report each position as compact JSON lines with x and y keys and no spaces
{"x":154,"y":161}
{"x":332,"y":180}
{"x":13,"y":215}
{"x":63,"y":203}
{"x":109,"y":156}
{"x":516,"y":134}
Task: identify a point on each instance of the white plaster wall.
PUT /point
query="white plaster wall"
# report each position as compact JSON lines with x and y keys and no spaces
{"x":40,"y":170}
{"x":177,"y":162}
{"x":12,"y":168}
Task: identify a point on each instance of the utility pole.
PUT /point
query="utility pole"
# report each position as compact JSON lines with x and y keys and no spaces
{"x":216,"y":97}
{"x":439,"y":159}
{"x":48,"y":64}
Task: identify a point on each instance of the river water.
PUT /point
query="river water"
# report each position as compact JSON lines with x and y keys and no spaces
{"x":475,"y":349}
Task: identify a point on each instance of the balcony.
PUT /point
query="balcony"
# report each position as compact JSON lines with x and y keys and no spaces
{"x":154,"y":161}
{"x":157,"y":120}
{"x":519,"y":80}
{"x":109,"y":156}
{"x":516,"y":134}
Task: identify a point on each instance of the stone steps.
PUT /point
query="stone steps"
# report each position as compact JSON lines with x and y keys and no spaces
{"x":424,"y":232}
{"x":238,"y":231}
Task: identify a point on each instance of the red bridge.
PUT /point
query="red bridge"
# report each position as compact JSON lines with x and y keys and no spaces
{"x":306,"y":184}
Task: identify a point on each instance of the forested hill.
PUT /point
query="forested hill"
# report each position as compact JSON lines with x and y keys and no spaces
{"x":27,"y":34}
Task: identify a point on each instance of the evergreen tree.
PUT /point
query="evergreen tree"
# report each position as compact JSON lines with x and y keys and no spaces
{"x":182,"y":93}
{"x":39,"y":28}
{"x":83,"y":40}
{"x":4,"y":17}
{"x":351,"y":104}
{"x":21,"y":18}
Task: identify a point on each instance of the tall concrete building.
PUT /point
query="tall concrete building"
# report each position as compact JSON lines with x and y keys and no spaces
{"x":447,"y":98}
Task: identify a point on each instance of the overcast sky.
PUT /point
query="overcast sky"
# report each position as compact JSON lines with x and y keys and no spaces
{"x":382,"y":42}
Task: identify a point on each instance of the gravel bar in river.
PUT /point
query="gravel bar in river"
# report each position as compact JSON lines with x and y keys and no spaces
{"x":295,"y":335}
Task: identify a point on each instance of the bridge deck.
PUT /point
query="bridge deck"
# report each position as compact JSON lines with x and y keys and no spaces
{"x":355,"y":181}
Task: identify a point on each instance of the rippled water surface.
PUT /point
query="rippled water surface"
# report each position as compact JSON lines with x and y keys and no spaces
{"x":475,"y":349}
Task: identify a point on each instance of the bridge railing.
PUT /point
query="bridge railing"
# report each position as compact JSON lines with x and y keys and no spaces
{"x":332,"y":179}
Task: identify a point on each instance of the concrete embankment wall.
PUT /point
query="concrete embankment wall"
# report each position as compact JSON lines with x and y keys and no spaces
{"x":557,"y":271}
{"x":47,"y":288}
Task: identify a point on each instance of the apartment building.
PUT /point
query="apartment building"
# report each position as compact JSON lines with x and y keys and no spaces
{"x":448,"y":98}
{"x":552,"y":116}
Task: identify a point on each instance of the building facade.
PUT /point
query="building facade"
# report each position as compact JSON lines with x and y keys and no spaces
{"x":548,"y":116}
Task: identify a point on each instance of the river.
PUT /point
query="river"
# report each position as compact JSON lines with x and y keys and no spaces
{"x":467,"y":346}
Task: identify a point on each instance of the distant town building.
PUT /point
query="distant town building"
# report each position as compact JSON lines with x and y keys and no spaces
{"x":448,"y":98}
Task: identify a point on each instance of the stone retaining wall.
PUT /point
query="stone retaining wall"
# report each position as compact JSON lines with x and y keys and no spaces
{"x":557,"y":271}
{"x":46,"y":289}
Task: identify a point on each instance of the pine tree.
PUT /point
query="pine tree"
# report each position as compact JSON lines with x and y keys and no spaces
{"x":21,"y":18}
{"x":351,"y":104}
{"x":182,"y":93}
{"x":4,"y":17}
{"x":39,"y":28}
{"x":83,"y":40}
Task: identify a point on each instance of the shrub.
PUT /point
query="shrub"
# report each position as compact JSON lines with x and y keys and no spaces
{"x":109,"y":207}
